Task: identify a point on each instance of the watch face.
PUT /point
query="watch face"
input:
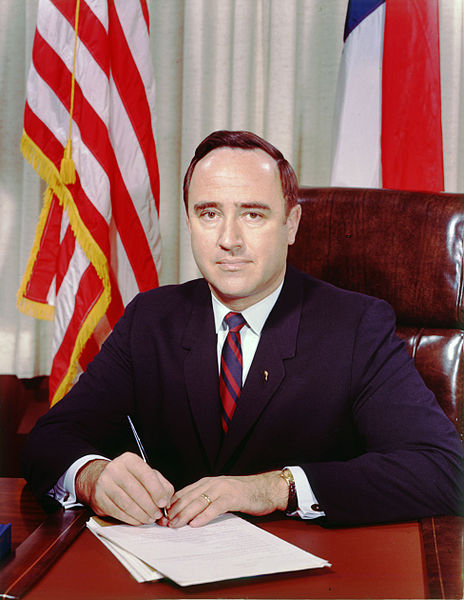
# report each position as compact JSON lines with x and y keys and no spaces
{"x":288,"y":474}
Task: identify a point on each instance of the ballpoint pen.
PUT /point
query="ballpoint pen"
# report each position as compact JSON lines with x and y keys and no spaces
{"x":143,"y":455}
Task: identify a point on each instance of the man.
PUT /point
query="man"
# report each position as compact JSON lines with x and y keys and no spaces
{"x":332,"y":419}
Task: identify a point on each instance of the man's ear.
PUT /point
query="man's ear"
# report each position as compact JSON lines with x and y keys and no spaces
{"x":188,"y":223}
{"x":293,"y":220}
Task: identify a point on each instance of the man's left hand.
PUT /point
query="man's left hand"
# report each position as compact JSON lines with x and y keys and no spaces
{"x":199,"y":503}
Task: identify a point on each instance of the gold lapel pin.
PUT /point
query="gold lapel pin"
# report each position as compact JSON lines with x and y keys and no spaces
{"x":266,"y":375}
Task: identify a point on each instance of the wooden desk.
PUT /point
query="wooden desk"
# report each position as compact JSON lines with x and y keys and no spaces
{"x":400,"y":560}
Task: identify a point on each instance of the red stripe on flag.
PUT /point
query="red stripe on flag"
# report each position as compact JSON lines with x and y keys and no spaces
{"x":42,"y":136}
{"x":44,"y":267}
{"x":116,"y":307}
{"x":145,"y":13}
{"x":89,"y":290}
{"x":131,"y":90}
{"x":91,"y":349}
{"x":91,"y":31}
{"x":66,"y":252}
{"x":412,"y":147}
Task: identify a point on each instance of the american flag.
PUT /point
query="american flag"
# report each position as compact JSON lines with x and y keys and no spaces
{"x":90,"y":91}
{"x":388,"y":108}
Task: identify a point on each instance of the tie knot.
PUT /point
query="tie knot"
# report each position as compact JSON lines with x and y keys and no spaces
{"x":235,"y":321}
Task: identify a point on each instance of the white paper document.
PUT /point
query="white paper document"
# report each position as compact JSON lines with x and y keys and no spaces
{"x":227,"y":548}
{"x":139,"y":570}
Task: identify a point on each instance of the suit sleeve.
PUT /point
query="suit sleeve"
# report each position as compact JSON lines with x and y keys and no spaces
{"x":91,"y":418}
{"x":412,"y":460}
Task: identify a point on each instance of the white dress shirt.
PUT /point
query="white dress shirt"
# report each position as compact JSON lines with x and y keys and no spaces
{"x":255,"y":316}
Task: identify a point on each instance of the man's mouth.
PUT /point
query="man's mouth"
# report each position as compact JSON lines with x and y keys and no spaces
{"x":233,"y":264}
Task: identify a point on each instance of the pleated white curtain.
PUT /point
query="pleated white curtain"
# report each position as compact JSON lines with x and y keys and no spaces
{"x":269,"y":66}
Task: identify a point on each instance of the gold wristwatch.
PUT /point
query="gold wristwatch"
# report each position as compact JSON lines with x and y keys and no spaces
{"x":292,"y":505}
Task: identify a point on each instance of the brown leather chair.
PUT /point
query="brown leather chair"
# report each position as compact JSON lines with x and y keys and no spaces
{"x":407,"y":248}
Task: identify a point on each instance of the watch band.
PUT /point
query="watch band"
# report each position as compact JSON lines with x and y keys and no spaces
{"x":292,"y":505}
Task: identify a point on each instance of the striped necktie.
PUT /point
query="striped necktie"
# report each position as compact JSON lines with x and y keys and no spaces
{"x":230,"y":380}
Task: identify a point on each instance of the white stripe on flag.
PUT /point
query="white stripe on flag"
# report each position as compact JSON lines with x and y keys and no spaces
{"x":356,"y":156}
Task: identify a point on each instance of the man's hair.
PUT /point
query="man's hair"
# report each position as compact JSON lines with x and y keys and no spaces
{"x":246,"y":140}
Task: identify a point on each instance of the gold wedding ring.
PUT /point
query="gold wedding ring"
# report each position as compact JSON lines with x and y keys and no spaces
{"x":207,"y":498}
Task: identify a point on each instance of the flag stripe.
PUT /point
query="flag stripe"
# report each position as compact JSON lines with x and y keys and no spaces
{"x":145,"y":14}
{"x":44,"y":266}
{"x":68,"y":246}
{"x":412,"y":146}
{"x":92,"y":33}
{"x":130,"y":87}
{"x":357,"y":159}
{"x":85,"y":299}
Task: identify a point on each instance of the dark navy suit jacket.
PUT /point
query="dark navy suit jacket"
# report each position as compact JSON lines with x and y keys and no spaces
{"x":341,"y":398}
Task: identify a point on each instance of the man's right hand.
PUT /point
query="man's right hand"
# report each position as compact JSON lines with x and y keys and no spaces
{"x":125,"y":488}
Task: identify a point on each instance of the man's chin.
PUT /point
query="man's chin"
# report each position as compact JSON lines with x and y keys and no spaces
{"x":227,"y":294}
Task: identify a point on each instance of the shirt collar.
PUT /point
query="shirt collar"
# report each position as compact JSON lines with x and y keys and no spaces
{"x":255,"y":315}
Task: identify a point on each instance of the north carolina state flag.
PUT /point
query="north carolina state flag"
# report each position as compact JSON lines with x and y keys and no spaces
{"x":388,"y":130}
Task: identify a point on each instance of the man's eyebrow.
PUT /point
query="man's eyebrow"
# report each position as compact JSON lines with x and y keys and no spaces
{"x":203,"y":205}
{"x":199,"y":206}
{"x":258,"y":205}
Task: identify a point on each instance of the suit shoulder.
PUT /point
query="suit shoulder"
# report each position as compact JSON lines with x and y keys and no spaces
{"x":167,"y":300}
{"x":338,"y":299}
{"x":171,"y":293}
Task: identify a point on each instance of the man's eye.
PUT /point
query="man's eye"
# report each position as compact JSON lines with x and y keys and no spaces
{"x":208,"y":215}
{"x":254,"y":216}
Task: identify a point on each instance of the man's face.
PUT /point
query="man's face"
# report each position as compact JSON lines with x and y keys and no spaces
{"x":238,"y":224}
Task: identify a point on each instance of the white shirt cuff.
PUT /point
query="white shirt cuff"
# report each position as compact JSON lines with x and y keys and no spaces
{"x":64,"y":490}
{"x":306,"y":498}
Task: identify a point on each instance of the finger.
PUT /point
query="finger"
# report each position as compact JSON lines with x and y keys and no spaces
{"x":107,"y":507}
{"x":157,"y":487}
{"x":126,"y":498}
{"x":165,"y":499}
{"x":128,"y":493}
{"x":149,"y":488}
{"x":189,"y":508}
{"x":194,"y":488}
{"x":163,"y":522}
{"x":210,"y":513}
{"x":188,"y":494}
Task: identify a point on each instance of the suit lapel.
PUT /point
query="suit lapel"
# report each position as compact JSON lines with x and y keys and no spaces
{"x":278,"y":342}
{"x":201,"y":372}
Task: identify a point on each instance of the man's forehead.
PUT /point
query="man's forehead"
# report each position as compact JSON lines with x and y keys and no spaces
{"x":236,"y":175}
{"x":221,"y":159}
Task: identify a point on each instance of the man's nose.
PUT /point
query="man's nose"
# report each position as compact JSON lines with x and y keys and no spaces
{"x":230,"y":235}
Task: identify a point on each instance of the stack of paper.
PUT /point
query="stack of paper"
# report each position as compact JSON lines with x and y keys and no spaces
{"x":227,"y":548}
{"x":139,"y":570}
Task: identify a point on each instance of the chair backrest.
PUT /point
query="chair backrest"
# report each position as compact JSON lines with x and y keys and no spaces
{"x":407,"y":248}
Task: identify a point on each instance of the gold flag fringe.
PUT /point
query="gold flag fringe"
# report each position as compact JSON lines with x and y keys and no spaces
{"x":50,"y":174}
{"x":27,"y":306}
